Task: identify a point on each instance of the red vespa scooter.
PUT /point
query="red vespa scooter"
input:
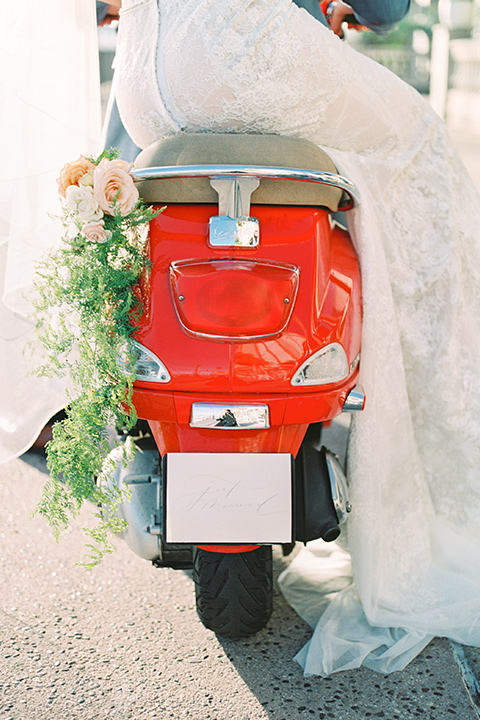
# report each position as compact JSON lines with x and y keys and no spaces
{"x":249,"y":342}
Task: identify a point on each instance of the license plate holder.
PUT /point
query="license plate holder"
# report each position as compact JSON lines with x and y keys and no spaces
{"x":228,"y":498}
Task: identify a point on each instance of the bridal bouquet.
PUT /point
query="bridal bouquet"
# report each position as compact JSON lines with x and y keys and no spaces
{"x":88,"y":301}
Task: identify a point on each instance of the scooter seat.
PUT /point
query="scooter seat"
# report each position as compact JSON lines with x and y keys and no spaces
{"x":237,"y":149}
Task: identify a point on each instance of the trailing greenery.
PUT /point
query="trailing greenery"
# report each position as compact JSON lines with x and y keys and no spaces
{"x":87,"y":303}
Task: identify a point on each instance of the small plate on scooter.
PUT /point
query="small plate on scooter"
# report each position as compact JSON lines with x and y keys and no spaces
{"x":228,"y":498}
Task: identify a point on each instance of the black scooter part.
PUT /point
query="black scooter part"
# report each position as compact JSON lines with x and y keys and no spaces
{"x":178,"y":557}
{"x":315,"y":515}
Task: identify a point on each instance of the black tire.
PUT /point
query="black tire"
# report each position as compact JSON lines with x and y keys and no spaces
{"x":234,"y":590}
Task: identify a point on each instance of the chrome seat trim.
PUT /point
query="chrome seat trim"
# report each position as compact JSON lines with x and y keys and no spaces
{"x":216,"y":172}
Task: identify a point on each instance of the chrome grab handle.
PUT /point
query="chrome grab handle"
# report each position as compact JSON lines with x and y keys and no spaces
{"x":216,"y":172}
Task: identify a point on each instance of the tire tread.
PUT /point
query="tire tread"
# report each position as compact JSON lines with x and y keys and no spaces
{"x":234,"y":590}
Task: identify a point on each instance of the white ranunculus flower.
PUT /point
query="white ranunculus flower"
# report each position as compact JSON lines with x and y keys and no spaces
{"x":82,"y":201}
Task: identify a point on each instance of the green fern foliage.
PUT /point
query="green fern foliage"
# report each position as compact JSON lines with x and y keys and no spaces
{"x":87,"y":305}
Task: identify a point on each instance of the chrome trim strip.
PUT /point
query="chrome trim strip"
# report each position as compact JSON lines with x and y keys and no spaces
{"x":339,"y":487}
{"x":215,"y":172}
{"x":355,"y":400}
{"x":217,"y":416}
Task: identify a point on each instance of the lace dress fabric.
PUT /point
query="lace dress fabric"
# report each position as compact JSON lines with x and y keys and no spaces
{"x":266,"y":66}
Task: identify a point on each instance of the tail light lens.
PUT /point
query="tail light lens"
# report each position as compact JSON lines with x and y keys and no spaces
{"x":328,"y":365}
{"x":146,"y":365}
{"x":233,"y":298}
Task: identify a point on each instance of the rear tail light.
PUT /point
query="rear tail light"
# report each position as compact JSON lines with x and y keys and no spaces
{"x":328,"y":365}
{"x":233,"y":298}
{"x":146,"y":365}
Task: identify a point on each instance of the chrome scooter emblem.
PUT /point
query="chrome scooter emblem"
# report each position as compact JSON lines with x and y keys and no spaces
{"x":225,"y":231}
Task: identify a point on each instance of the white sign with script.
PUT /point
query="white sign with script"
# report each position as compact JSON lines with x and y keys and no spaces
{"x":224,"y":498}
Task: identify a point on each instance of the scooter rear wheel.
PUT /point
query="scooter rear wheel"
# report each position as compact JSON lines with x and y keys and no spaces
{"x":234,"y":590}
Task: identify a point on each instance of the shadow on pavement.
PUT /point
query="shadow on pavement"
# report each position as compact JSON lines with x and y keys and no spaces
{"x":429,"y":688}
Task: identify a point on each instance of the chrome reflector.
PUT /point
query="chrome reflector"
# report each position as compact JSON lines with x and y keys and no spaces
{"x":230,"y":417}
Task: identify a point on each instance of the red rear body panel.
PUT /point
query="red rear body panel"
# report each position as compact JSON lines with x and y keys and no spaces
{"x":322,"y":306}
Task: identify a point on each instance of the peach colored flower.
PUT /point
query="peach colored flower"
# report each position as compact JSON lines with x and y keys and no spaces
{"x":96,"y":232}
{"x":113,"y":187}
{"x":72,"y":173}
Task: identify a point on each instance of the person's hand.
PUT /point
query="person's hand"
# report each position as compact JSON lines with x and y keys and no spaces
{"x":338,"y":12}
{"x":112,"y":14}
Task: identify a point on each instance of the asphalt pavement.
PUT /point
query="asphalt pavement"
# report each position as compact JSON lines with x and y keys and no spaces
{"x":123,"y":641}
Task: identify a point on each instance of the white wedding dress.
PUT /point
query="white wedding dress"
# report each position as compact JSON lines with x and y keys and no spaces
{"x":266,"y":66}
{"x":49,"y":83}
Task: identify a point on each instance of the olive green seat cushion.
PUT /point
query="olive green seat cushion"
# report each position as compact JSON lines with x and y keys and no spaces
{"x":231,"y":149}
